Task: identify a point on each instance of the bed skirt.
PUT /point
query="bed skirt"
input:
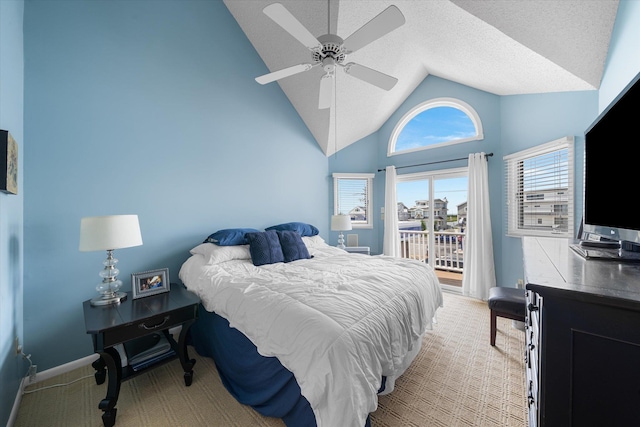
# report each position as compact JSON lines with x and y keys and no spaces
{"x":254,"y":380}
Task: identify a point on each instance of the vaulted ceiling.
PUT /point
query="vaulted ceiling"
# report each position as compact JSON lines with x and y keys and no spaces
{"x":504,"y":47}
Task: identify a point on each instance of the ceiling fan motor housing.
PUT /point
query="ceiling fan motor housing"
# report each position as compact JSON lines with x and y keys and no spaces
{"x":331,"y":48}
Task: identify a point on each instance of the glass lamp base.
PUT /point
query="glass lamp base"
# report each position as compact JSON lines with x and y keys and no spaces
{"x":341,"y":241}
{"x":114,"y":298}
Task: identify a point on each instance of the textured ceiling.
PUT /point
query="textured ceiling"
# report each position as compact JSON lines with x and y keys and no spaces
{"x":504,"y":47}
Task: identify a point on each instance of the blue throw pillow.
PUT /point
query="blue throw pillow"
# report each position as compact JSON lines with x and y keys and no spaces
{"x":265,"y":247}
{"x":230,"y":236}
{"x":301,"y":227}
{"x":293,"y":247}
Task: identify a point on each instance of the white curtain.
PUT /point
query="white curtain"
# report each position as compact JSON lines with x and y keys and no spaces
{"x":391,"y":244}
{"x":479,"y":269}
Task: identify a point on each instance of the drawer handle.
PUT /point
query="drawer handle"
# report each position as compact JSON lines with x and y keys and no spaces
{"x":150,"y":328}
{"x":530,"y":398}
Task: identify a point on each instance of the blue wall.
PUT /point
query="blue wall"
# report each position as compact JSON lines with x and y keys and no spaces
{"x":359,"y":157}
{"x":12,"y":366}
{"x":147,"y":108}
{"x":530,"y":120}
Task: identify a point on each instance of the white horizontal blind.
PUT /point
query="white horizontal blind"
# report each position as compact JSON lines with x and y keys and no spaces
{"x":352,"y":196}
{"x":540,"y":190}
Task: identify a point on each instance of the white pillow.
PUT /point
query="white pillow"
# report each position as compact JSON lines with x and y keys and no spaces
{"x":215,"y":254}
{"x":313,"y":241}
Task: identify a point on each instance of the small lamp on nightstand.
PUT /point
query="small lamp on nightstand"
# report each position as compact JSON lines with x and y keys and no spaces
{"x":100,"y":233}
{"x":340,"y":223}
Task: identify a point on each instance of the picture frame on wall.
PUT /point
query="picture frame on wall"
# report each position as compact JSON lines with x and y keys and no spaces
{"x":8,"y":163}
{"x":150,"y":282}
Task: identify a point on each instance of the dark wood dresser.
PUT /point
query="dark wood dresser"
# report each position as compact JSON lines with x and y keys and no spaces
{"x":583,"y":337}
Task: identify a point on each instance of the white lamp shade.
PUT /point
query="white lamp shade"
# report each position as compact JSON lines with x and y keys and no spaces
{"x":100,"y":233}
{"x":340,"y":222}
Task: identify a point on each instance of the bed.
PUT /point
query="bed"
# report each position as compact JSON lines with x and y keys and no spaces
{"x":314,"y":339}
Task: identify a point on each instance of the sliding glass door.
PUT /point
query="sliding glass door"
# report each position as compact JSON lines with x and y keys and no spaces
{"x":432,"y":213}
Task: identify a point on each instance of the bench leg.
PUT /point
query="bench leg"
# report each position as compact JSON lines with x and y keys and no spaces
{"x":493,"y":328}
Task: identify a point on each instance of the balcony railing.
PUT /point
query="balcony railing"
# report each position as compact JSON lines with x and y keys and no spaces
{"x":447,"y":250}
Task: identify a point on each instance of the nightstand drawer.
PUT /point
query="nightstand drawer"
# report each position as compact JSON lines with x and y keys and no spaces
{"x":149,"y":325}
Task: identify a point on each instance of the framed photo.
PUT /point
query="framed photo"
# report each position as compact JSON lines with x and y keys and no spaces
{"x":8,"y":163}
{"x":149,"y":283}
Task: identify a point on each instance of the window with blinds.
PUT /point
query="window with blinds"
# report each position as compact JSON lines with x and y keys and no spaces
{"x":352,"y":196}
{"x":540,"y":190}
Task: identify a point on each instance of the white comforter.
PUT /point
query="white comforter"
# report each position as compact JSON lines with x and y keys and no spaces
{"x":338,"y":321}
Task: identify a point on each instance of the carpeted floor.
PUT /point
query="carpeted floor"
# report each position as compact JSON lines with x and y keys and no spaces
{"x":457,"y":379}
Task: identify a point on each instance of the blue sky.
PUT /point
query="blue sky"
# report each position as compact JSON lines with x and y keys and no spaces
{"x":434,"y":126}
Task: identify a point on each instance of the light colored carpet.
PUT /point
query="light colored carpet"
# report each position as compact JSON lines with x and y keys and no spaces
{"x":457,"y":379}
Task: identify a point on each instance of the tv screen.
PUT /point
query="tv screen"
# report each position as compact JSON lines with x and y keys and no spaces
{"x":612,"y":170}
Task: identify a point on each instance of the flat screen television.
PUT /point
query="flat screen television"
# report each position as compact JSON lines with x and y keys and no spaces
{"x":612,"y":172}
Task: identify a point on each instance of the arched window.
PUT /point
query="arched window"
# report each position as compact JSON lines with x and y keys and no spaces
{"x":437,"y":122}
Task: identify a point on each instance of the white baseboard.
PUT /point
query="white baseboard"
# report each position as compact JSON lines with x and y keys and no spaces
{"x":45,"y":375}
{"x":16,"y":404}
{"x":63,"y":369}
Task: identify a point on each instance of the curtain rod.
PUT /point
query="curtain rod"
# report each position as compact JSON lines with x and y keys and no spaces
{"x":433,"y":163}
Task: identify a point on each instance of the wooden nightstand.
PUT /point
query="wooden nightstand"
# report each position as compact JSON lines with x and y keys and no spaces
{"x":132,"y":319}
{"x":358,"y":250}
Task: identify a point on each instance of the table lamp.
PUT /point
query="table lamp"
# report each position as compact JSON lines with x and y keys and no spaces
{"x":100,"y":233}
{"x":340,"y":223}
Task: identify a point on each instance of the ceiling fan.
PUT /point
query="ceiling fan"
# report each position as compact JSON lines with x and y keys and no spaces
{"x":330,"y":51}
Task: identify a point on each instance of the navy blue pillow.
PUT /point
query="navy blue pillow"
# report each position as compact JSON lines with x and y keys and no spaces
{"x":230,"y":236}
{"x":265,"y":247}
{"x":293,"y":247}
{"x":301,"y":227}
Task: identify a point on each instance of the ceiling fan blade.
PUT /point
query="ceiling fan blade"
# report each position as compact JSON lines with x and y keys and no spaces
{"x":387,"y":21}
{"x":285,"y":72}
{"x":290,"y":24}
{"x":325,"y":98}
{"x":369,"y":75}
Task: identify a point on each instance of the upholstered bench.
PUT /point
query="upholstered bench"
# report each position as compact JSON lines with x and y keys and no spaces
{"x":505,"y":302}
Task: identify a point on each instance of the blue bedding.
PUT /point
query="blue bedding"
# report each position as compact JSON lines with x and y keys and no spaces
{"x":254,"y":380}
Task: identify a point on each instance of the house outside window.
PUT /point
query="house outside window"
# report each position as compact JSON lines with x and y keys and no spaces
{"x":352,"y":195}
{"x":540,"y":190}
{"x":440,"y":209}
{"x":403,"y":212}
{"x":462,"y":214}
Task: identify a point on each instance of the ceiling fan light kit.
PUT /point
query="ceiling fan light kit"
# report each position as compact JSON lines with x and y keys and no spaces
{"x":330,"y":51}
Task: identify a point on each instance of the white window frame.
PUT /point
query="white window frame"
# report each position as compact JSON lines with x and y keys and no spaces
{"x":514,"y":196}
{"x":369,"y":197}
{"x":427,"y":105}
